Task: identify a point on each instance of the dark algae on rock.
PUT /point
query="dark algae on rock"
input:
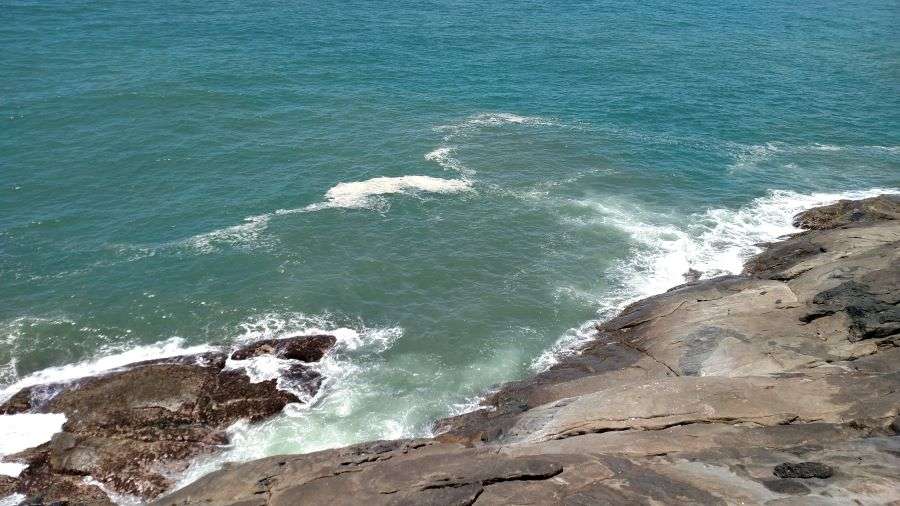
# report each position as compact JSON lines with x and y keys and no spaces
{"x":133,"y":429}
{"x":749,"y":389}
{"x":803,"y":470}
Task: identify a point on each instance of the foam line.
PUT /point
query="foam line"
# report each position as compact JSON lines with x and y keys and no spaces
{"x":715,"y":242}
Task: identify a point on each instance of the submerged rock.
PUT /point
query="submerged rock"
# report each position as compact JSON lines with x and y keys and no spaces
{"x":135,"y":428}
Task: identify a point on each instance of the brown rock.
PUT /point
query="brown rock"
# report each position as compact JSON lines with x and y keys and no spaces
{"x":134,"y":428}
{"x":303,"y":348}
{"x":695,"y":396}
{"x":8,"y":485}
{"x":850,"y":213}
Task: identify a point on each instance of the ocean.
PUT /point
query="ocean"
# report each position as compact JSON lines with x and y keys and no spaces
{"x":456,"y":189}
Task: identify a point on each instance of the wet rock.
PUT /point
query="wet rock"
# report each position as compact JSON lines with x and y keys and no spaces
{"x":20,"y":402}
{"x":303,"y":348}
{"x":8,"y":485}
{"x":693,"y":396}
{"x":692,"y":275}
{"x":135,"y":428}
{"x":302,"y":378}
{"x":850,"y":213}
{"x":803,"y":470}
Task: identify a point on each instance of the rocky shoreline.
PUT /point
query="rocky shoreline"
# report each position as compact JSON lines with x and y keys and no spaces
{"x":133,"y":430}
{"x":777,"y":386}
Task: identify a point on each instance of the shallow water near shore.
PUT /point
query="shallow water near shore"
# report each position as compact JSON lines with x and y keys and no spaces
{"x":456,"y":190}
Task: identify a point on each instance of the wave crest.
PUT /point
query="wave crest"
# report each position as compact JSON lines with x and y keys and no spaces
{"x":366,"y":194}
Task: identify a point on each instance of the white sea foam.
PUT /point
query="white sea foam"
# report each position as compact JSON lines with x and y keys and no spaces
{"x":26,"y":430}
{"x":827,"y":147}
{"x":498,"y":119}
{"x":334,"y":366}
{"x":750,"y":156}
{"x":13,"y":469}
{"x":106,"y":360}
{"x":259,"y":369}
{"x":116,"y":497}
{"x":443,"y":156}
{"x":344,"y":381}
{"x":747,"y":157}
{"x":491,"y":120}
{"x":369,"y":194}
{"x":246,"y":234}
{"x":715,"y":242}
{"x":345,"y":385}
{"x":12,"y":500}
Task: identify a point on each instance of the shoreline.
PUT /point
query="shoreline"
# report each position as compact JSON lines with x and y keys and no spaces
{"x":677,"y":341}
{"x":719,"y":390}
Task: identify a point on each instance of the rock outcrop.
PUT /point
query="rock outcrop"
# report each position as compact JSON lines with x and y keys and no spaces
{"x":847,"y":213}
{"x":131,"y":430}
{"x":307,"y":349}
{"x":778,"y":386}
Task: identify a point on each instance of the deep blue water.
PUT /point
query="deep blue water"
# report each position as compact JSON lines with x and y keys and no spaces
{"x":586,"y":153}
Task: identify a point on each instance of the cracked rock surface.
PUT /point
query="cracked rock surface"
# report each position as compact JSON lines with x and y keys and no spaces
{"x":777,"y":386}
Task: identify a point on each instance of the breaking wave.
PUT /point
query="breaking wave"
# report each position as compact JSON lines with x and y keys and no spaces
{"x":369,"y":194}
{"x":343,"y":378}
{"x":108,"y":359}
{"x":715,"y":242}
{"x":310,"y":426}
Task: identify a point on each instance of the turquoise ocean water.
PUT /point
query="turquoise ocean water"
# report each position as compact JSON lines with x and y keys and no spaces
{"x":456,"y":188}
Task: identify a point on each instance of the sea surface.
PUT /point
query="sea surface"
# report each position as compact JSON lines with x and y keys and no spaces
{"x":457,"y":189}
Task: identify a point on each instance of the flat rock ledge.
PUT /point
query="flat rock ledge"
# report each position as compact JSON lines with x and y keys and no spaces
{"x":131,"y":431}
{"x":777,"y":386}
